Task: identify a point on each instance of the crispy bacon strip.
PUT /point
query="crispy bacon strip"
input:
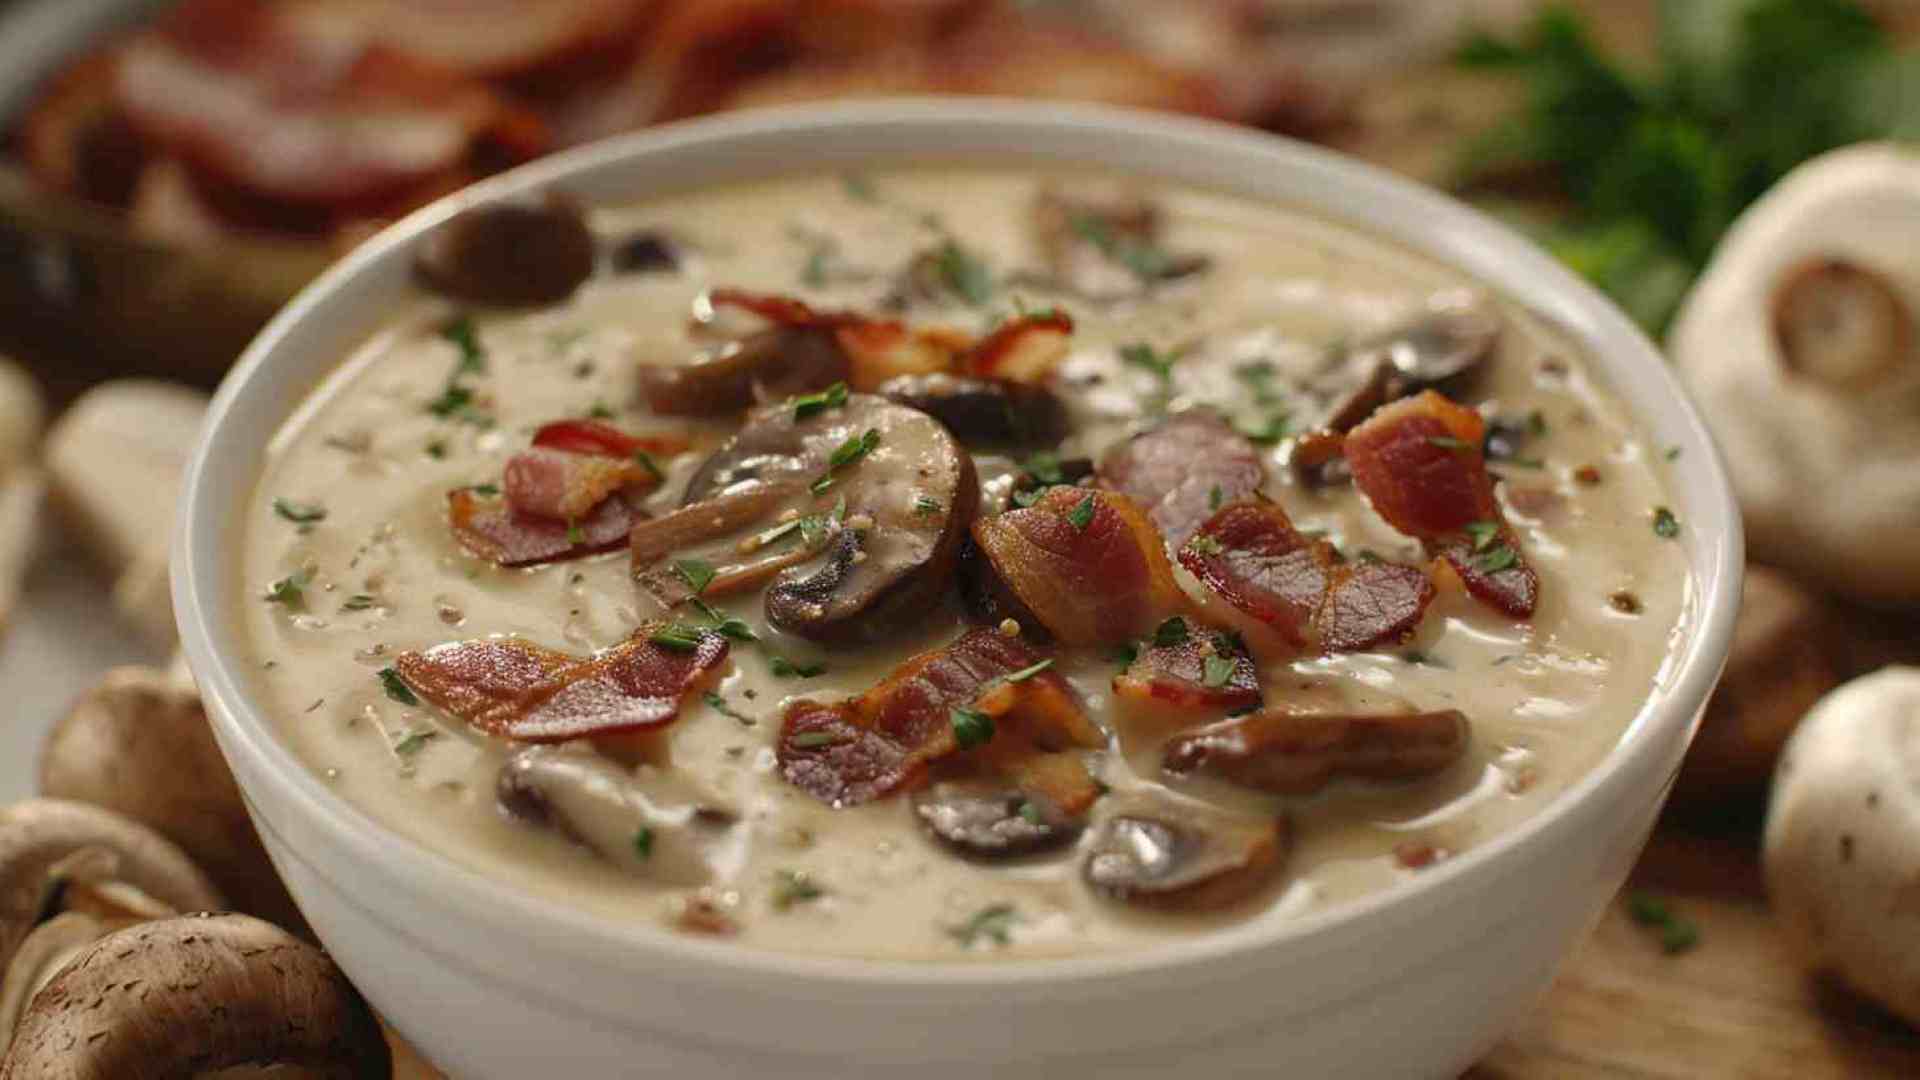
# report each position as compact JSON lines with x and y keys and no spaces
{"x":1086,"y":566}
{"x":561,"y":486}
{"x":517,"y":690}
{"x":1024,"y":349}
{"x":1183,"y":470}
{"x":488,"y":528}
{"x":1253,"y":558}
{"x":855,"y":751}
{"x":875,"y":349}
{"x":1419,"y":462}
{"x":1207,"y":670}
{"x":594,"y":437}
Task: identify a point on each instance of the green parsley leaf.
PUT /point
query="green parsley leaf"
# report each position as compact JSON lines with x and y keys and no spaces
{"x":1045,"y":469}
{"x":1665,"y":525}
{"x":1171,"y":632}
{"x":1214,"y":497}
{"x":396,"y":687}
{"x":719,"y":705}
{"x":1217,"y":671}
{"x":1268,"y":432}
{"x":412,"y":742}
{"x":643,"y":842}
{"x":1141,"y":355}
{"x":813,"y":404}
{"x":678,"y":637}
{"x":859,"y":187}
{"x":792,"y":887}
{"x":1496,"y":558}
{"x":1030,"y":671}
{"x":847,"y":453}
{"x":1673,"y":453}
{"x":290,"y":591}
{"x":697,"y":573}
{"x":963,"y":273}
{"x":926,"y":504}
{"x":971,"y":728}
{"x":465,"y":337}
{"x":1448,"y":442}
{"x":600,"y":410}
{"x":485,"y":490}
{"x":1483,"y":533}
{"x":299,"y":513}
{"x":814,"y":740}
{"x":1124,"y":655}
{"x":646,"y":462}
{"x":575,"y":534}
{"x":357,"y":602}
{"x":1081,"y":515}
{"x":784,"y":668}
{"x":993,"y":923}
{"x":1202,"y":544}
{"x":437,"y":449}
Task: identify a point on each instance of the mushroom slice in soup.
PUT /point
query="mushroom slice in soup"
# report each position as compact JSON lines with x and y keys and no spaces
{"x":518,"y":690}
{"x":647,"y":821}
{"x":1183,"y":470}
{"x":1203,"y":669}
{"x":760,"y":367}
{"x":1446,"y":343}
{"x":1297,"y":753}
{"x":956,"y":697}
{"x":983,"y":410}
{"x":984,"y":819}
{"x":1106,"y":245}
{"x":1300,"y":588}
{"x":509,"y":255}
{"x":1419,"y":463}
{"x":1163,"y":852}
{"x":1086,"y":565}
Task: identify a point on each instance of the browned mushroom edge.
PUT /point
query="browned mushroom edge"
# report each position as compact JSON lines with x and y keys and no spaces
{"x":1167,"y":854}
{"x":510,"y":255}
{"x":985,"y":820}
{"x":1298,"y":754}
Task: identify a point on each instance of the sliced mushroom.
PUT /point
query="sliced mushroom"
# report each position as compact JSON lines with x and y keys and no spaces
{"x":46,"y":845}
{"x":908,"y":490}
{"x":139,"y":745}
{"x":511,"y":255}
{"x":1174,"y":855}
{"x":763,"y":366}
{"x":44,"y":954}
{"x":1297,"y":754}
{"x":992,"y":821}
{"x":648,"y":821}
{"x":983,"y":410}
{"x":1840,"y":323}
{"x":1449,"y":339}
{"x":194,"y":995}
{"x":1106,"y":244}
{"x":648,"y":251}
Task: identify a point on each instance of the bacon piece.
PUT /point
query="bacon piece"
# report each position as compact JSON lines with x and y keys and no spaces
{"x":875,"y":349}
{"x":284,"y":110}
{"x":1419,"y":463}
{"x":594,"y":437}
{"x":1086,"y":564}
{"x":491,"y":529}
{"x":859,"y":750}
{"x":1297,"y":754}
{"x":514,"y":689}
{"x":562,"y":486}
{"x":1178,"y":675}
{"x":1024,"y":349}
{"x":1253,"y":558}
{"x":1183,"y":470}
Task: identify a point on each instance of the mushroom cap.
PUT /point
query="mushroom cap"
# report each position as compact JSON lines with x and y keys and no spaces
{"x":139,"y":745}
{"x":40,"y":839}
{"x":1842,"y":844}
{"x":196,"y":994}
{"x":51,"y":946}
{"x":1821,"y":451}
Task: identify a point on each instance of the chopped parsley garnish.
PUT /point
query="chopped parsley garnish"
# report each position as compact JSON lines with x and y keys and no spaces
{"x":792,"y":887}
{"x":926,"y":504}
{"x":971,"y":728}
{"x":1030,"y":671}
{"x":784,"y":668}
{"x":575,"y":534}
{"x":1673,"y":453}
{"x":1142,"y":355}
{"x":1495,"y":559}
{"x":1676,"y":932}
{"x":814,"y":740}
{"x":1201,"y":544}
{"x":487,"y":490}
{"x":1171,"y":632}
{"x":1146,"y":261}
{"x":1216,"y":671}
{"x":643,"y":842}
{"x":1665,"y":525}
{"x":993,"y":922}
{"x":1081,"y":515}
{"x":1044,"y":467}
{"x":1537,"y":423}
{"x":1124,"y":655}
{"x":1259,"y":375}
{"x":600,"y":410}
{"x":847,"y":453}
{"x":720,"y":706}
{"x":299,"y":513}
{"x":645,"y":461}
{"x":411,"y":743}
{"x":456,"y":400}
{"x":1030,"y":812}
{"x":437,"y":449}
{"x":465,"y":337}
{"x":1270,"y":430}
{"x":813,"y":404}
{"x":1484,"y":533}
{"x":678,"y":637}
{"x":963,"y":273}
{"x":290,"y":591}
{"x":813,"y":273}
{"x":697,"y":573}
{"x":357,"y":602}
{"x":859,"y":187}
{"x":396,"y":687}
{"x":1214,"y":497}
{"x":1448,"y":442}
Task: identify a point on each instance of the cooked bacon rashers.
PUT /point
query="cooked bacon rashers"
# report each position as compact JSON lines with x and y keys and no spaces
{"x":1205,"y":670}
{"x":1251,"y":556}
{"x":1082,"y":565}
{"x":855,"y":751}
{"x":1184,"y":470}
{"x":515,"y":689}
{"x":1419,"y":463}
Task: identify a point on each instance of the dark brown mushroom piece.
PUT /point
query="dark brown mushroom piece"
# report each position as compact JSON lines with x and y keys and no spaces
{"x":1298,"y":754}
{"x":1840,"y":324}
{"x":1159,"y":852}
{"x":511,"y":255}
{"x":983,"y":410}
{"x":648,"y":251}
{"x":1106,"y":245}
{"x":763,"y":366}
{"x":647,"y":821}
{"x":984,"y":820}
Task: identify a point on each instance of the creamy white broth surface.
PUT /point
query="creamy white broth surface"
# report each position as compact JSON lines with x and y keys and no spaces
{"x":1547,"y":698}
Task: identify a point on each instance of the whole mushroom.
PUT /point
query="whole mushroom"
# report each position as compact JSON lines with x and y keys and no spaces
{"x":187,"y":996}
{"x":138,"y":743}
{"x":1842,"y":847}
{"x":1799,"y":344}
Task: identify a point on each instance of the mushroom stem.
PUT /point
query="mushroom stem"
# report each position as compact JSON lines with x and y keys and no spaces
{"x":186,"y":996}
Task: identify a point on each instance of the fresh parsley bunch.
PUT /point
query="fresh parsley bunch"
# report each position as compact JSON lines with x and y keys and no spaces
{"x":1657,"y":163}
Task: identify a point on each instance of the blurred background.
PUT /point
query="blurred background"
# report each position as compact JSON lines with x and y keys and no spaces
{"x":171,"y":173}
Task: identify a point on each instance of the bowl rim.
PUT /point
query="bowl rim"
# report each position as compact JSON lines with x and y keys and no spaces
{"x":1714,"y":540}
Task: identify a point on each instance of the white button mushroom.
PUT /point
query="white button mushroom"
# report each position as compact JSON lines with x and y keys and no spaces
{"x":1800,"y":346}
{"x":1843,"y":837}
{"x":22,"y":414}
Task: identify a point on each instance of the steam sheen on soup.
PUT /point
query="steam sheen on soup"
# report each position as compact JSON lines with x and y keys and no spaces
{"x":955,"y":563}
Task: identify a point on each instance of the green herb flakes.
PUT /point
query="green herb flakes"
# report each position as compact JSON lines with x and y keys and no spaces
{"x":846,"y":454}
{"x":1141,"y":355}
{"x":357,"y":602}
{"x":814,"y":740}
{"x":992,"y":923}
{"x":396,"y":687}
{"x":1081,"y":515}
{"x":413,"y":741}
{"x":1665,"y":525}
{"x":575,"y":534}
{"x":784,"y":668}
{"x":1676,"y":932}
{"x":466,"y":338}
{"x":299,"y":513}
{"x":1448,"y":442}
{"x":813,"y":404}
{"x":290,"y":591}
{"x":964,"y":274}
{"x":697,"y":573}
{"x":971,"y":728}
{"x":719,"y":705}
{"x":1030,"y":671}
{"x":926,"y":504}
{"x":859,"y":187}
{"x":791,"y":887}
{"x":1202,"y":544}
{"x":1496,"y":558}
{"x":1171,"y":632}
{"x":1216,"y":672}
{"x":1030,"y":812}
{"x":1483,"y":533}
{"x":643,"y":843}
{"x":678,"y":637}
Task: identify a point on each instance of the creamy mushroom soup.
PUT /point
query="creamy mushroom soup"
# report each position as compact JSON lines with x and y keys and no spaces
{"x":932,"y":564}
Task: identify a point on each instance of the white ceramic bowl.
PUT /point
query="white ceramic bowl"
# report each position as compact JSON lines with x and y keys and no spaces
{"x":1415,"y":981}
